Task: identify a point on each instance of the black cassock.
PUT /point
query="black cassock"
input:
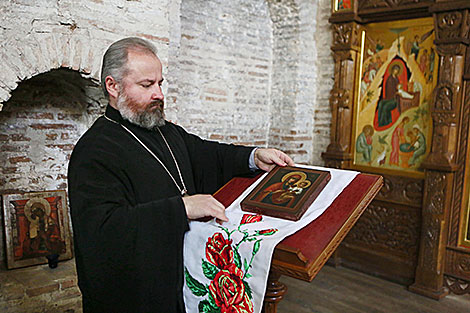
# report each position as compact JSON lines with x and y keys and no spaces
{"x":128,"y":216}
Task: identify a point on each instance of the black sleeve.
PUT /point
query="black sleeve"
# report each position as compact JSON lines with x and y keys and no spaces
{"x":214,"y":164}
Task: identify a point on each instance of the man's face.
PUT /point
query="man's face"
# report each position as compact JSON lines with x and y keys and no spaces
{"x":140,"y":98}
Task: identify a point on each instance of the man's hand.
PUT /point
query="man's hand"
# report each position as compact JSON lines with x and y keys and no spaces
{"x":198,"y":206}
{"x":267,"y":159}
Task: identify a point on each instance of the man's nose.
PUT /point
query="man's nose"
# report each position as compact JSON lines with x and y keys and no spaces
{"x":157,"y":93}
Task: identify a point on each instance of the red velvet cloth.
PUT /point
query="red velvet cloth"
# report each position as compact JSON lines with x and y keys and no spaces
{"x":313,"y":238}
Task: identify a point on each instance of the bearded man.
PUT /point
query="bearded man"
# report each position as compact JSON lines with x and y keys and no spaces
{"x":135,"y":180}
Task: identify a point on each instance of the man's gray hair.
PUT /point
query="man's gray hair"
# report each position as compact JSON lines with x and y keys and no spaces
{"x":115,"y":58}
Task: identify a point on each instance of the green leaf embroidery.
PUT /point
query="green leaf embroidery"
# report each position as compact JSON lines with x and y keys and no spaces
{"x":248,"y":275}
{"x":245,"y":265}
{"x":248,"y":290}
{"x":237,"y":259}
{"x":205,"y":307}
{"x":256,"y":246}
{"x":209,"y":269}
{"x":212,"y":301}
{"x":196,"y":287}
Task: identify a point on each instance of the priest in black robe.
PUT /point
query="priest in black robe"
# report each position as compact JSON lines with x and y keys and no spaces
{"x":135,"y":180}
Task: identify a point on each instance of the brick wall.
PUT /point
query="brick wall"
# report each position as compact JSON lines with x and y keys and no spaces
{"x":243,"y":71}
{"x":292,"y":92}
{"x":324,"y":77}
{"x":302,"y":78}
{"x":219,"y":78}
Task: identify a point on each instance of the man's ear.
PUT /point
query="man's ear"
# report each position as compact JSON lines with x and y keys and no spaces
{"x":112,"y":86}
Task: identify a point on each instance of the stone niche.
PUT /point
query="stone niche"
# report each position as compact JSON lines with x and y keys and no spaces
{"x":39,"y":126}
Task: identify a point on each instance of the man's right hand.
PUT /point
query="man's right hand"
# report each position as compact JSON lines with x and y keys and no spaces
{"x":198,"y":206}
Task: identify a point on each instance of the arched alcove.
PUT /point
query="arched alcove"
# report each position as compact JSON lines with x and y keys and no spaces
{"x":40,"y":52}
{"x":39,"y":126}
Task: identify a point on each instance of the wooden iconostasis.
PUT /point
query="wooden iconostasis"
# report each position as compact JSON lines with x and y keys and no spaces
{"x":401,"y":108}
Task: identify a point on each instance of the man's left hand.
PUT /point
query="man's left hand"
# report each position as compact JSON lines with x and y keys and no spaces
{"x":267,"y":159}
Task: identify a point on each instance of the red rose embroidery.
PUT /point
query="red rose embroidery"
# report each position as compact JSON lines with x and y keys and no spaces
{"x":219,"y":251}
{"x":248,"y":219}
{"x":267,"y":232}
{"x":228,"y":291}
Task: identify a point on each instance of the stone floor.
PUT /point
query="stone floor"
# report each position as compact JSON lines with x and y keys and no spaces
{"x":40,"y":289}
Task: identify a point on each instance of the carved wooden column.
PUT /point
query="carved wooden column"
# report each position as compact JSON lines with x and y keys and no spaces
{"x":346,"y":49}
{"x":452,"y":30}
{"x":275,"y":291}
{"x":457,"y":275}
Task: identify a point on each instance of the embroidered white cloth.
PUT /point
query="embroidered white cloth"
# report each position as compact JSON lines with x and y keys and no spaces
{"x":227,"y":266}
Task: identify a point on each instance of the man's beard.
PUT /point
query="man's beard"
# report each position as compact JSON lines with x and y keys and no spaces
{"x":146,"y":119}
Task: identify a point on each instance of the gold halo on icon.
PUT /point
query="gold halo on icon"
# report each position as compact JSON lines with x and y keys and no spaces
{"x":34,"y":202}
{"x":301,"y":174}
{"x":308,"y":183}
{"x":396,"y":63}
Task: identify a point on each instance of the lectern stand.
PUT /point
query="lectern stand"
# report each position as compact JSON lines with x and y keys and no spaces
{"x":304,"y":253}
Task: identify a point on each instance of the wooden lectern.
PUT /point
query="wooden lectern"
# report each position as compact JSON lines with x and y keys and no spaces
{"x":304,"y":253}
